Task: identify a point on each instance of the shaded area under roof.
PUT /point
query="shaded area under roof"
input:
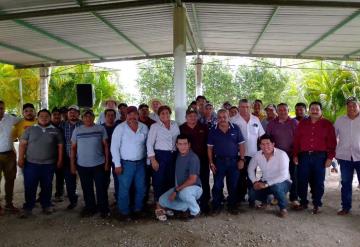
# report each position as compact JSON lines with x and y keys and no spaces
{"x":38,"y":33}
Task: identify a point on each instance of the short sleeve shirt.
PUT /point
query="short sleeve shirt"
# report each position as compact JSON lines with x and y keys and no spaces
{"x":42,"y":144}
{"x":226,"y":144}
{"x":90,"y":151}
{"x":187,"y":165}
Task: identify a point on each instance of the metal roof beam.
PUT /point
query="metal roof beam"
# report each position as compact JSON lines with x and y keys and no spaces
{"x":190,"y":35}
{"x":303,"y":3}
{"x":264,"y":29}
{"x":11,"y":63}
{"x":31,"y":53}
{"x":353,"y":53}
{"x":141,"y":3}
{"x":189,"y":54}
{"x":81,"y":3}
{"x":331,"y":31}
{"x":197,"y":27}
{"x":56,"y":38}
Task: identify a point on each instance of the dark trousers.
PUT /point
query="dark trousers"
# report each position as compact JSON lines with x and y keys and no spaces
{"x":347,"y":168}
{"x":164,"y":178}
{"x":115,"y":178}
{"x":311,"y":169}
{"x":148,"y":175}
{"x":225,"y":167}
{"x":244,"y":183}
{"x":9,"y":169}
{"x":33,"y":175}
{"x":88,"y":177}
{"x":59,"y":181}
{"x":70,"y":180}
{"x":293,"y":176}
{"x":205,"y":183}
{"x":279,"y":191}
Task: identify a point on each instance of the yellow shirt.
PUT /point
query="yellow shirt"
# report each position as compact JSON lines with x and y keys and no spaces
{"x":261,"y":116}
{"x":21,"y":126}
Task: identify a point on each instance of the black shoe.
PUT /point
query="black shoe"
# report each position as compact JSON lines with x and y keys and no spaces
{"x":233,"y":211}
{"x":315,"y":210}
{"x":192,"y":217}
{"x":87,"y":213}
{"x":71,"y":206}
{"x":25,"y":214}
{"x":105,"y":215}
{"x":122,"y":217}
{"x":138,"y":215}
{"x":48,"y":210}
{"x":215,"y":211}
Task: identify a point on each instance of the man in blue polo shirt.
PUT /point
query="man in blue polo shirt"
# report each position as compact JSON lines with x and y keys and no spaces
{"x":225,"y":143}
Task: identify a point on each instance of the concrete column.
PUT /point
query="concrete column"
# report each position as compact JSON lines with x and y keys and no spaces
{"x":180,"y":63}
{"x":198,"y":76}
{"x":44,"y":86}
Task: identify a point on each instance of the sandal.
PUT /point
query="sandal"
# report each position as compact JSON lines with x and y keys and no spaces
{"x":160,"y":214}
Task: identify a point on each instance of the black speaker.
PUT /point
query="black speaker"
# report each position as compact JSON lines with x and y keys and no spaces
{"x":85,"y":95}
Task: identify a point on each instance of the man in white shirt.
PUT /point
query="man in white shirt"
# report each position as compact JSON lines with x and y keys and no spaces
{"x":251,"y":130}
{"x":128,"y":150}
{"x":7,"y":156}
{"x":274,"y":166}
{"x":347,"y":130}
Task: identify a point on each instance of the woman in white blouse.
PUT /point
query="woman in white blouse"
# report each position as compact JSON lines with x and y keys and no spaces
{"x":161,"y":152}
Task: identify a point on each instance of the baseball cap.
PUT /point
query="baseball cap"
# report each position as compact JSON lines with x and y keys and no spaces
{"x":74,"y":107}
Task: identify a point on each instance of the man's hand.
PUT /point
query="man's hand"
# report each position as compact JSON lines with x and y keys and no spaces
{"x":59,"y":164}
{"x":73,"y":169}
{"x":296,"y":160}
{"x":107,"y":166}
{"x":118,"y":170}
{"x":241,"y":164}
{"x":212,"y":168}
{"x":259,"y":186}
{"x":172,"y":196}
{"x":21,"y":163}
{"x":155,"y":165}
{"x":328,"y":163}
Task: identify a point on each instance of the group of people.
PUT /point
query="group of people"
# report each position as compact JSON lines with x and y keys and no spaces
{"x":258,"y":154}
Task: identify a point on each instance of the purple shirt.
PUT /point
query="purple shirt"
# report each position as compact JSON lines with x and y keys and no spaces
{"x":283,"y":133}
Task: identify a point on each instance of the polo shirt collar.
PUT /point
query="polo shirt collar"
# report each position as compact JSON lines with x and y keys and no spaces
{"x":231,"y":125}
{"x":50,"y":126}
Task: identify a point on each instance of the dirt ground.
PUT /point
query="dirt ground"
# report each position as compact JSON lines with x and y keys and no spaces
{"x":250,"y":228}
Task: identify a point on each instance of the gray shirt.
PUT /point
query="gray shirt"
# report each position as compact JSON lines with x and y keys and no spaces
{"x":42,"y":144}
{"x":90,"y":151}
{"x":187,"y":165}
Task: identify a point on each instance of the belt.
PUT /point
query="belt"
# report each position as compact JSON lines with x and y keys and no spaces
{"x":6,"y":152}
{"x":133,"y":160}
{"x":226,"y":157}
{"x":312,"y":152}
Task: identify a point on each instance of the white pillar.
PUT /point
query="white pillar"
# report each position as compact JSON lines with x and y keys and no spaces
{"x":180,"y":63}
{"x":198,"y":76}
{"x":44,"y":86}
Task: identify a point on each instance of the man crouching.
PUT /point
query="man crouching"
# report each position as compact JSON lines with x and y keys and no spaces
{"x":274,"y":166}
{"x":187,"y":188}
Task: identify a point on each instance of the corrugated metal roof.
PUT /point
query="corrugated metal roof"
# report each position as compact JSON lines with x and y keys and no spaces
{"x":144,"y":29}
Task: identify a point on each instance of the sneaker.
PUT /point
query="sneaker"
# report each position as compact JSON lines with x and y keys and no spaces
{"x":25,"y":214}
{"x":71,"y":206}
{"x":48,"y":210}
{"x":343,"y":212}
{"x":283,"y":213}
{"x":11,"y":208}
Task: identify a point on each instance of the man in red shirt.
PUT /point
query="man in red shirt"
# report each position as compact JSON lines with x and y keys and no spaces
{"x":314,"y":149}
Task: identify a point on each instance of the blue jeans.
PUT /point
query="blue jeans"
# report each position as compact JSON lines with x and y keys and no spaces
{"x":89,"y":176}
{"x":279,"y":191}
{"x":311,"y":169}
{"x":186,"y":199}
{"x":133,"y":172}
{"x":164,"y":178}
{"x":33,"y":175}
{"x":70,"y":181}
{"x":347,"y":169}
{"x":225,"y":167}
